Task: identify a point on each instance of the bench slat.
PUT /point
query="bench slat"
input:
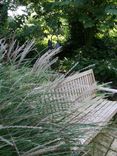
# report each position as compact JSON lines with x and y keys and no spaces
{"x":97,"y":110}
{"x":83,"y":109}
{"x":106,"y":114}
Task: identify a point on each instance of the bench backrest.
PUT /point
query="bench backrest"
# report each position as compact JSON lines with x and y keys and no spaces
{"x":78,"y":86}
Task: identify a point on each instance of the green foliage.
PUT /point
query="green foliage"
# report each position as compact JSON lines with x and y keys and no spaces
{"x":49,"y":18}
{"x":105,"y":69}
{"x":103,"y":58}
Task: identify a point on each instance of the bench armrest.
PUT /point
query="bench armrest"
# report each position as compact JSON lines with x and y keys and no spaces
{"x":107,"y":89}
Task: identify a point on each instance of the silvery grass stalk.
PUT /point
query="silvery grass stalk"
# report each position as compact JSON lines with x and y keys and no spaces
{"x":11,"y":52}
{"x":25,"y":125}
{"x":30,"y":122}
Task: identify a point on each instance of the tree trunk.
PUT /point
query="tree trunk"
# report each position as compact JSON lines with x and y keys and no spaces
{"x":89,"y":36}
{"x":81,"y":36}
{"x":3,"y":16}
{"x":76,"y":34}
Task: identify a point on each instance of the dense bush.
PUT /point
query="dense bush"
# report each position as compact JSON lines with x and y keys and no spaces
{"x":105,"y":69}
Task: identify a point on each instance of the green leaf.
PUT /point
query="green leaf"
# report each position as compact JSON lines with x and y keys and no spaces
{"x":111,"y":9}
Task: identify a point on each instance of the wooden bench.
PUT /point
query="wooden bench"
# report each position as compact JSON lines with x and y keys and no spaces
{"x":77,"y":95}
